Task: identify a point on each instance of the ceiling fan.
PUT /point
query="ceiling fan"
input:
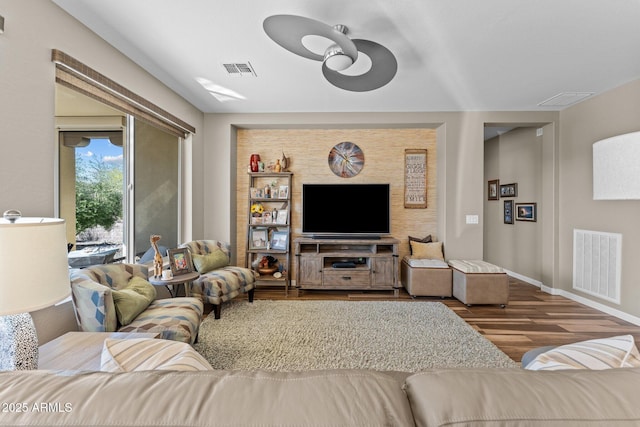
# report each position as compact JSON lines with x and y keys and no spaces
{"x":290,"y":30}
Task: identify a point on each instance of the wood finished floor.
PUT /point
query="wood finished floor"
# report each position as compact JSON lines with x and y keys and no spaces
{"x":532,"y":319}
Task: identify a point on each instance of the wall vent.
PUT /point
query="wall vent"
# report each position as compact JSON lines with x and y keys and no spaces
{"x":239,"y":69}
{"x":597,"y":263}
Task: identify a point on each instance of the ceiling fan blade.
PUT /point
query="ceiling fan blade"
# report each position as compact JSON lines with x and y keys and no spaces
{"x":289,"y":30}
{"x":383,"y":68}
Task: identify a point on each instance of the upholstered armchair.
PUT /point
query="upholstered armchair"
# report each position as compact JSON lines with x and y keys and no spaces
{"x":118,"y":298}
{"x":218,"y":281}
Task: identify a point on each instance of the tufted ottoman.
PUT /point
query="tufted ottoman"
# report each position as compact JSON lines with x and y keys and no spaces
{"x":479,"y":282}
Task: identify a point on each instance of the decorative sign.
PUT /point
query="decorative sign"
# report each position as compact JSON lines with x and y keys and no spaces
{"x":415,"y":178}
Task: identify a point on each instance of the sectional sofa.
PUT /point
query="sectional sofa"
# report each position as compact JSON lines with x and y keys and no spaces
{"x":454,"y":397}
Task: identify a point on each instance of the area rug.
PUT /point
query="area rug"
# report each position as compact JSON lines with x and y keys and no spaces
{"x":382,"y":335}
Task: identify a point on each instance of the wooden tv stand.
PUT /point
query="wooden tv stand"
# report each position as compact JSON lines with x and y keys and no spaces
{"x":372,"y":264}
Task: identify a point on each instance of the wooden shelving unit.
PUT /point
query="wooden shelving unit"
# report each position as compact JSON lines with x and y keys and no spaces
{"x":269,"y":231}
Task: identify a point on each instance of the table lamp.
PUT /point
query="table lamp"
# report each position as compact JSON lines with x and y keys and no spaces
{"x":34,"y":274}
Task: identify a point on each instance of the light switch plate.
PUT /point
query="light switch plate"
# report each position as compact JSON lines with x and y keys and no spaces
{"x":472,"y":219}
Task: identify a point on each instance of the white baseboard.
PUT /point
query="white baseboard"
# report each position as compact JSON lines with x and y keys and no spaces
{"x":577,"y":298}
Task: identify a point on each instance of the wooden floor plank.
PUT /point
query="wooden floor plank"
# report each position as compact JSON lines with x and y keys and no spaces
{"x":531,"y":319}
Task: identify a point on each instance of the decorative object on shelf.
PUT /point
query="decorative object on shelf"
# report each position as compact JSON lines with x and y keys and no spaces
{"x":254,"y":162}
{"x":25,"y":242}
{"x":283,"y":192}
{"x":278,"y":166}
{"x":260,"y":166}
{"x":259,"y":238}
{"x":508,"y":212}
{"x":157,"y":256}
{"x":284,"y":162}
{"x":280,"y":240}
{"x":346,"y":159}
{"x":180,"y":261}
{"x":492,"y":189}
{"x":509,"y":190}
{"x":257,"y":209}
{"x":415,"y":178}
{"x":526,"y":212}
{"x":267,"y":265}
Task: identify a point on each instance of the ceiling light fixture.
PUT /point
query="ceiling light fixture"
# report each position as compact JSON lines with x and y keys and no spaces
{"x":334,"y":57}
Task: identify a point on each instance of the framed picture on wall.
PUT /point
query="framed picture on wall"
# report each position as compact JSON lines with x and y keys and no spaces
{"x":526,"y":211}
{"x":509,"y":190}
{"x":492,"y":189}
{"x":508,"y":211}
{"x":415,"y":178}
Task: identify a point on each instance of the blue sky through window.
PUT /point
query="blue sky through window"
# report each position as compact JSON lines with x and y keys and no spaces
{"x":101,"y":149}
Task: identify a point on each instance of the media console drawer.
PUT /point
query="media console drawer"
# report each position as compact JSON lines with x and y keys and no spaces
{"x":346,"y":277}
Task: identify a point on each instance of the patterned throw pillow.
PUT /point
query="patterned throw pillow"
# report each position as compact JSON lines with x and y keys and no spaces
{"x":144,"y":354}
{"x":94,"y":306}
{"x":606,"y":353}
{"x":209,"y":262}
{"x":427,"y":250}
{"x":133,"y":300}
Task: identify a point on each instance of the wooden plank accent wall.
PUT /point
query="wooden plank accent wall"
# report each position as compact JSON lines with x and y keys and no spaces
{"x":308,"y":150}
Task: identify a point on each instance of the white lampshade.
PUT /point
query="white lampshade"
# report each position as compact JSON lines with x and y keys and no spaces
{"x":616,"y":168}
{"x":34,"y":271}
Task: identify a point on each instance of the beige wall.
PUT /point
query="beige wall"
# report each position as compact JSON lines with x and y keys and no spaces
{"x":27,"y":104}
{"x":514,"y":157}
{"x":613,"y":113}
{"x":460,"y":145}
{"x":308,"y":149}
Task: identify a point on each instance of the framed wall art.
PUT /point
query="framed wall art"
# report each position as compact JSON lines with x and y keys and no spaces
{"x":415,"y":178}
{"x":180,"y":261}
{"x":509,"y":190}
{"x":492,"y":189}
{"x":526,"y":211}
{"x":508,"y":211}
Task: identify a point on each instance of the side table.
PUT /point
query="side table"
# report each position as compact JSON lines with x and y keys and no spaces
{"x":80,"y":350}
{"x":181,"y":279}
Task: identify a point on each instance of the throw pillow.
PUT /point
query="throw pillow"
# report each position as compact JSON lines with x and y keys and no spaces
{"x":211,"y":261}
{"x":133,"y":300}
{"x":606,"y":353}
{"x":94,"y":306}
{"x":426,"y":239}
{"x":144,"y":354}
{"x":427,"y":250}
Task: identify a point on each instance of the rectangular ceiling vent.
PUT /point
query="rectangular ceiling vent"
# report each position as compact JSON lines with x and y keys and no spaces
{"x":564,"y":99}
{"x":239,"y":69}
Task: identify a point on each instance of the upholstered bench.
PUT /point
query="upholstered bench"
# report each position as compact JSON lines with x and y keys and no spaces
{"x":479,"y":282}
{"x":426,"y":277}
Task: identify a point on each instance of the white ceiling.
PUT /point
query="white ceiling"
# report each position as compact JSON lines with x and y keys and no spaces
{"x":453,"y":55}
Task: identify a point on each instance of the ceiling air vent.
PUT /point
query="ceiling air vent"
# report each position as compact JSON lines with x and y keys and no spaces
{"x":239,"y":69}
{"x":565,"y":98}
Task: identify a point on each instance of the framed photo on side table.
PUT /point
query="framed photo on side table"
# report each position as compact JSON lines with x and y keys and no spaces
{"x":180,"y":261}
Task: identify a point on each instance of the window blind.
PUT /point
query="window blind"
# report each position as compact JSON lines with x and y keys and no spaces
{"x":74,"y":74}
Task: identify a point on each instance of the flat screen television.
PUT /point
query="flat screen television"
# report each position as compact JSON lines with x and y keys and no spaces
{"x":346,"y":210}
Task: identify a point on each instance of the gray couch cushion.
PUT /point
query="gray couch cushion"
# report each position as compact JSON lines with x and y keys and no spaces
{"x":206,"y":398}
{"x":515,"y":397}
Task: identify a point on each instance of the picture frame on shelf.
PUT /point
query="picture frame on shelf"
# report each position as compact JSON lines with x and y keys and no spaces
{"x":509,"y":190}
{"x":267,"y":218}
{"x":508,"y":211}
{"x":180,"y":261}
{"x":283,"y":192}
{"x":259,"y":238}
{"x":526,"y":212}
{"x":282,"y":217}
{"x":280,"y":240}
{"x":253,"y":192}
{"x":493,"y":188}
